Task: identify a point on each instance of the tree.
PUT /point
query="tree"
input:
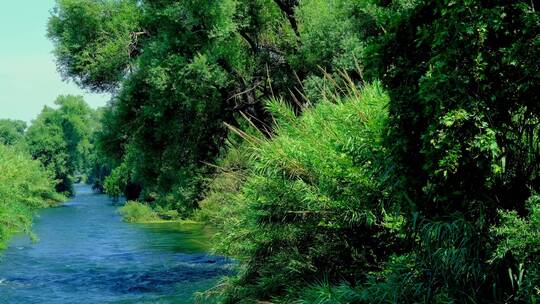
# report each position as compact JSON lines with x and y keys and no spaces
{"x":167,"y":116}
{"x":94,"y":40}
{"x":11,"y":131}
{"x":59,"y":138}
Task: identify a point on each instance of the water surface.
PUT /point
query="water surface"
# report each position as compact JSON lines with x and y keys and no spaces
{"x":86,"y":254}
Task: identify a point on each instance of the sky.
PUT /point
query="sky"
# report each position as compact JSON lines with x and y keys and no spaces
{"x":28,"y":76}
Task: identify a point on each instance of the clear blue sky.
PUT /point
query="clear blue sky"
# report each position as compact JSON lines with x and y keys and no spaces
{"x":28,"y":76}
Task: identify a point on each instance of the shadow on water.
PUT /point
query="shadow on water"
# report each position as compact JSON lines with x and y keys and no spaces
{"x":86,"y":254}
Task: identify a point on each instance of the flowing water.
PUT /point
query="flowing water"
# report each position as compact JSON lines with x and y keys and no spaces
{"x":86,"y":254}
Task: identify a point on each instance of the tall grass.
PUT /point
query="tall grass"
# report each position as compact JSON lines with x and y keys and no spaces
{"x":310,"y":200}
{"x":25,"y":186}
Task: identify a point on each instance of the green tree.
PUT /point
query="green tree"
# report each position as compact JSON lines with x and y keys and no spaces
{"x":461,"y":150}
{"x":177,"y":84}
{"x":94,"y":40}
{"x":99,"y":166}
{"x":11,"y":131}
{"x":59,"y":138}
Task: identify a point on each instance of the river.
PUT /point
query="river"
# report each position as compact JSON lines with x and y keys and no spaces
{"x":86,"y":254}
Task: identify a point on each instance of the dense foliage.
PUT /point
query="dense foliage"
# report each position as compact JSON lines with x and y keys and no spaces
{"x":25,"y":185}
{"x":11,"y":131}
{"x":183,"y":68}
{"x":465,"y":125}
{"x":323,"y":193}
{"x":312,"y":197}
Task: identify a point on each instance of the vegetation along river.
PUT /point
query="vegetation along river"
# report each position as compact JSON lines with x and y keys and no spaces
{"x":86,"y":254}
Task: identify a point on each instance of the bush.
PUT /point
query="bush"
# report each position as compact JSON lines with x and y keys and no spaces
{"x":136,"y":212}
{"x":116,"y":183}
{"x":519,"y":247}
{"x":313,"y":199}
{"x":25,"y":186}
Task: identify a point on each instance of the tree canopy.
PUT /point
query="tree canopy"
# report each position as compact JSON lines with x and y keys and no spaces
{"x":11,"y":131}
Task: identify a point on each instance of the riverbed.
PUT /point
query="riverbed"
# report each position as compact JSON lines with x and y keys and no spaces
{"x":86,"y":254}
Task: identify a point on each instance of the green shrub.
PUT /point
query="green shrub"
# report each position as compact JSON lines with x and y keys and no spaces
{"x":519,"y":247}
{"x":312,"y":200}
{"x":116,"y":183}
{"x":136,"y":212}
{"x":25,"y":186}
